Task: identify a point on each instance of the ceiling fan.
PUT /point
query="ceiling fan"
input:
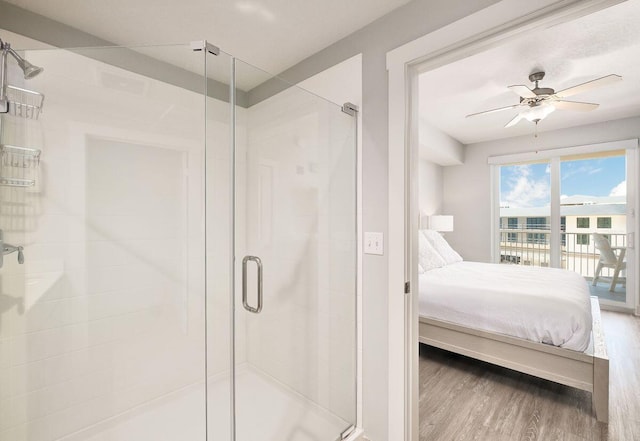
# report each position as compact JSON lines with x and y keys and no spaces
{"x":538,"y":103}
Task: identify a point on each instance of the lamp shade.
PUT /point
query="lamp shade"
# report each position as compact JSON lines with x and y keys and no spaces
{"x":441,"y":223}
{"x":538,"y":113}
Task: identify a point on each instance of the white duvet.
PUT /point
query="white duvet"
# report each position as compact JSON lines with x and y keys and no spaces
{"x":543,"y":305}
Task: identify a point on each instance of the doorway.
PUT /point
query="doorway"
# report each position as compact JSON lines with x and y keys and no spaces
{"x":405,"y":64}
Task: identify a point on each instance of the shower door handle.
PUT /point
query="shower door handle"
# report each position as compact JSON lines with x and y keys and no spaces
{"x":245,"y":302}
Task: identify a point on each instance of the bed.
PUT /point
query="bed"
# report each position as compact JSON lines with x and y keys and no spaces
{"x":540,"y":321}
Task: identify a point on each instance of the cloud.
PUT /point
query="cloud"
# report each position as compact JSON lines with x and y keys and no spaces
{"x":576,"y":170}
{"x":525,"y":189}
{"x":620,"y":189}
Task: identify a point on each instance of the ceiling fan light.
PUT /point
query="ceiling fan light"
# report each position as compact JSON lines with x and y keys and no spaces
{"x":538,"y":113}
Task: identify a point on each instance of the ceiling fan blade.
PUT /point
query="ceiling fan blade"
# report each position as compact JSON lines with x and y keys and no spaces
{"x":516,"y":119}
{"x":580,"y":88}
{"x":523,"y":91}
{"x":574,"y":105}
{"x":500,"y":109}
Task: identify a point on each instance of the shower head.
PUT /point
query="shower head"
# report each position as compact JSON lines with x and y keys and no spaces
{"x":28,"y":69}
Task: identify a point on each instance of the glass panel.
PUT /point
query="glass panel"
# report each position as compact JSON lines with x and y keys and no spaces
{"x":593,"y":201}
{"x":296,"y":212}
{"x":101,"y":327}
{"x":524,"y":214}
{"x":219,"y":224}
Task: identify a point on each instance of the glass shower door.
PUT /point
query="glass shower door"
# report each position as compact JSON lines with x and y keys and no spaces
{"x":295,"y":263}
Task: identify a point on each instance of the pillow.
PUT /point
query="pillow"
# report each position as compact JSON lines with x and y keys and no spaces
{"x":448,"y":254}
{"x":428,"y":257}
{"x":420,"y":269}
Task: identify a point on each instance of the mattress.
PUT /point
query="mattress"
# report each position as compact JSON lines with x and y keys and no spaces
{"x":543,"y":305}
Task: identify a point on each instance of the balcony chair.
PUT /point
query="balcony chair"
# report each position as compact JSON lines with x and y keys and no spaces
{"x":609,"y":259}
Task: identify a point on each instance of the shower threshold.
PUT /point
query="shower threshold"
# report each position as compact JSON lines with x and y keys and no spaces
{"x":266,"y":411}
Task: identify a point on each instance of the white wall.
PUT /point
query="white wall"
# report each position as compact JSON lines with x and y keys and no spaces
{"x":467,"y":187}
{"x":438,"y":147}
{"x":430,"y":188}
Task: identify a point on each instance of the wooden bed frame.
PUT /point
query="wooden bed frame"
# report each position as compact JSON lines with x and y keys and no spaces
{"x":587,"y":370}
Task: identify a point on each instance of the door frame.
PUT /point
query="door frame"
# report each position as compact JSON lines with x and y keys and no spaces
{"x":477,"y":32}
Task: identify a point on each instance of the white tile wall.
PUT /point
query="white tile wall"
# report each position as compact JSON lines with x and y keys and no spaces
{"x":107,"y":311}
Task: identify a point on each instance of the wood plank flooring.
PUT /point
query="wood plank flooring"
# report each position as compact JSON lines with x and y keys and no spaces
{"x":464,"y":399}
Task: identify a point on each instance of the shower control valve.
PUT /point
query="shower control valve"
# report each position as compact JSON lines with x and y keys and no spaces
{"x":7,"y":248}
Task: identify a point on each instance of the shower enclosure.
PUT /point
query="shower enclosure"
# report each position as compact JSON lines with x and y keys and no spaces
{"x":188,"y":238}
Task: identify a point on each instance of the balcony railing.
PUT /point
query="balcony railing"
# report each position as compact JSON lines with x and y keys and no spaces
{"x":577,"y":253}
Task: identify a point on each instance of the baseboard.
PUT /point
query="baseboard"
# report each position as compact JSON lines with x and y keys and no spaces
{"x":616,"y":308}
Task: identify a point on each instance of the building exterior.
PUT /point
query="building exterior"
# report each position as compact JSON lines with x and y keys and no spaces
{"x":525,"y":232}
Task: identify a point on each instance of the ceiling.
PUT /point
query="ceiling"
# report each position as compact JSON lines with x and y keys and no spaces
{"x":271,"y":34}
{"x":599,"y":44}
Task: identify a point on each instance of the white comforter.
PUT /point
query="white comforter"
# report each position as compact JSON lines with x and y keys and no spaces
{"x":543,"y":305}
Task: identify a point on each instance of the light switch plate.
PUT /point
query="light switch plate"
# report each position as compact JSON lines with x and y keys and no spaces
{"x":373,"y":243}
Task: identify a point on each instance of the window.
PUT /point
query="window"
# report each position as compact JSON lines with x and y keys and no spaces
{"x":582,"y":239}
{"x":512,"y":224}
{"x":537,"y":223}
{"x":549,"y":204}
{"x":509,"y":259}
{"x":604,"y":222}
{"x":583,"y":222}
{"x":537,"y":238}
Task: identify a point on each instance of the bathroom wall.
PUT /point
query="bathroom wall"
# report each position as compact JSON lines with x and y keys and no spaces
{"x":107,"y":312}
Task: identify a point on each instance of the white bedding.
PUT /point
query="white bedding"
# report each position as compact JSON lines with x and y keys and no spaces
{"x":543,"y":305}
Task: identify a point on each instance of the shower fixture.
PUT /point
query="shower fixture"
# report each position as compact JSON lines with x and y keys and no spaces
{"x":29,"y":70}
{"x":18,"y":161}
{"x":8,"y":249}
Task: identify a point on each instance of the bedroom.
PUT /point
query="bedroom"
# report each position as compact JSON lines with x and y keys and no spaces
{"x":533,"y":195}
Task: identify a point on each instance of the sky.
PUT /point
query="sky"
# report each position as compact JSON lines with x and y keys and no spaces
{"x":529,"y":185}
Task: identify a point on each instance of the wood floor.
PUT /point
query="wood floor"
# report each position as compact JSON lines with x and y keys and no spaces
{"x":464,"y":399}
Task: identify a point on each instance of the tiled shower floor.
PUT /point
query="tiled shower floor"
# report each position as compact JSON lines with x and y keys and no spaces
{"x":267,"y":411}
